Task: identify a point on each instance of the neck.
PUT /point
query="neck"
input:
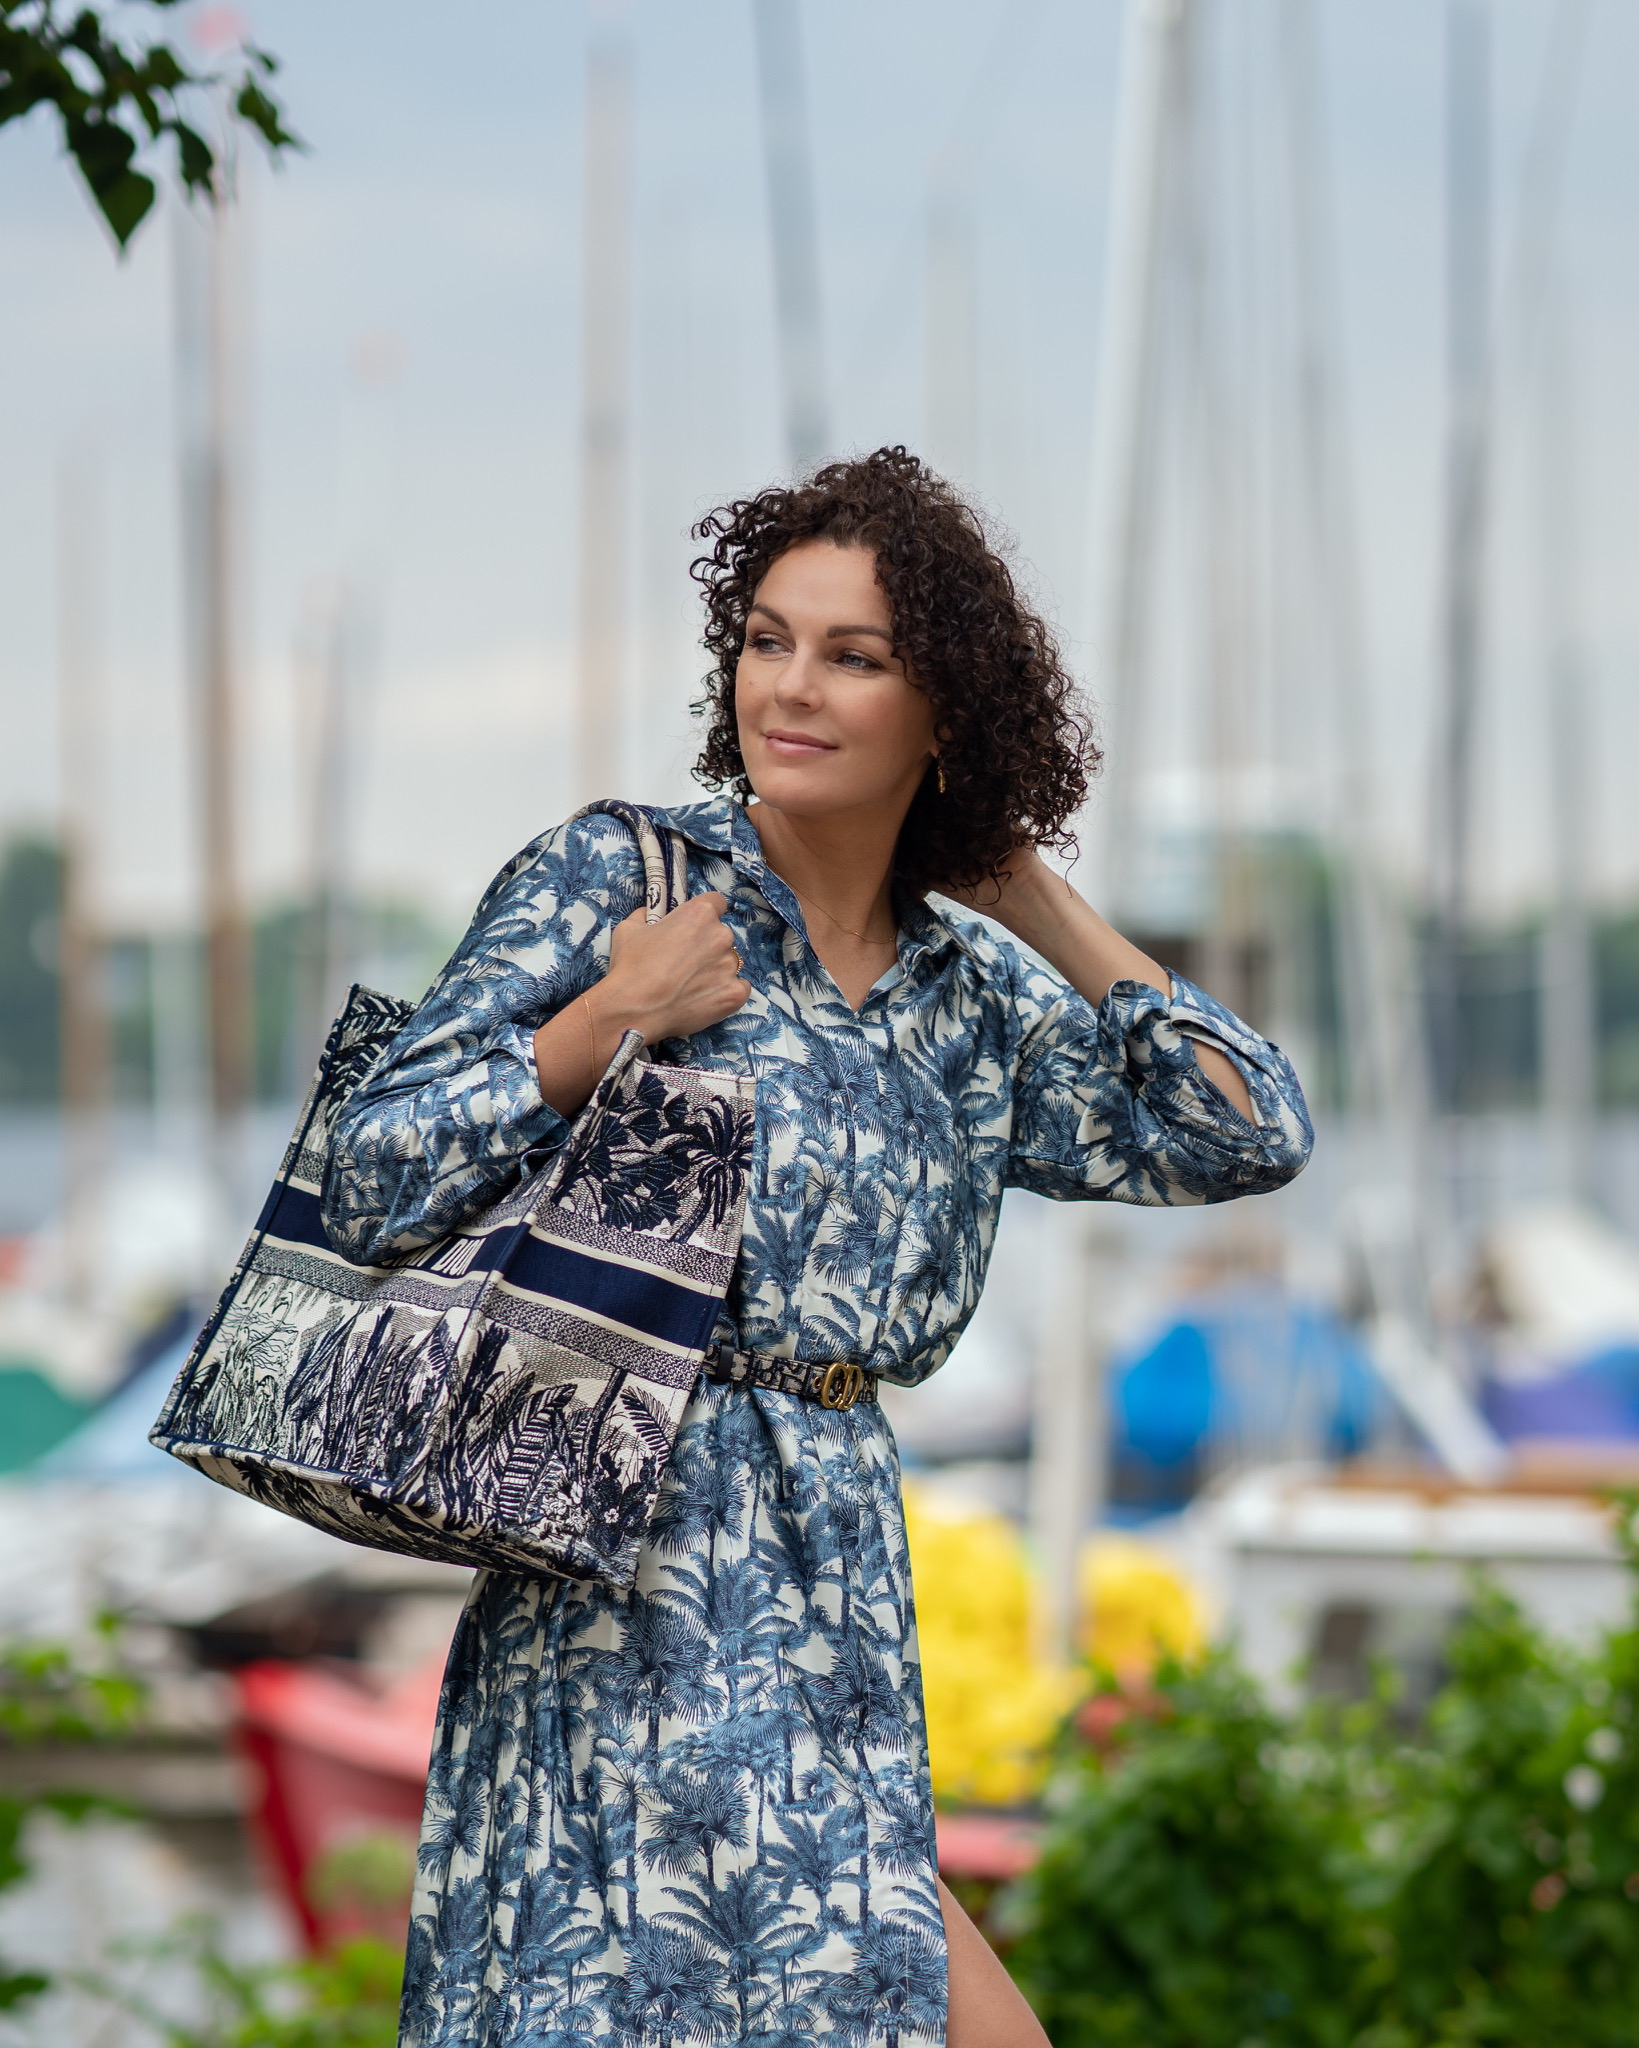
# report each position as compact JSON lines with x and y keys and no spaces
{"x":842,"y":863}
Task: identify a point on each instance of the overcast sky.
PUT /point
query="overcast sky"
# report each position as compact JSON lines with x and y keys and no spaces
{"x":412,"y":352}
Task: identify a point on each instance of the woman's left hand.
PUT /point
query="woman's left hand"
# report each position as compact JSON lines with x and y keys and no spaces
{"x":1024,"y":871}
{"x":1037,"y":905}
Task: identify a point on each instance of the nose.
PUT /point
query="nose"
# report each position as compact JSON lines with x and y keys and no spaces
{"x":800,"y":681}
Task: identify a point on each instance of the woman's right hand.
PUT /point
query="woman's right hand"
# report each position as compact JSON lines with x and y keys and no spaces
{"x":668,"y":979}
{"x":672,"y":978}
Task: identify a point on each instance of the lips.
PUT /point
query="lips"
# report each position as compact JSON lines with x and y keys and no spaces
{"x":796,"y":746}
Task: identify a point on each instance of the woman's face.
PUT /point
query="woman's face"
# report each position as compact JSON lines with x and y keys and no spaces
{"x":829,"y":720}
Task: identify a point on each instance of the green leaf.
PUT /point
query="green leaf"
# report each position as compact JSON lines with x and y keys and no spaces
{"x":102,"y":149}
{"x":264,"y":115}
{"x":195,"y":160}
{"x":125,"y":202}
{"x":164,"y":72}
{"x":24,"y":1984}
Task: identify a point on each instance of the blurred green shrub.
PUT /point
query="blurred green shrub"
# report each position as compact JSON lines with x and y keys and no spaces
{"x":346,"y":1998}
{"x":1220,"y":1875}
{"x":48,"y":1694}
{"x":1194,"y":1886}
{"x":370,"y":1871}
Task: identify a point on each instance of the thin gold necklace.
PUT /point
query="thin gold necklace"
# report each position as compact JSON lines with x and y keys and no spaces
{"x":837,"y":921}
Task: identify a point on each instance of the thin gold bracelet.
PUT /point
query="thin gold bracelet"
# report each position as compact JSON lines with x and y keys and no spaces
{"x":591,"y":1039}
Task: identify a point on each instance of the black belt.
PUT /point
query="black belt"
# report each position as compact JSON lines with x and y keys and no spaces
{"x":837,"y":1383}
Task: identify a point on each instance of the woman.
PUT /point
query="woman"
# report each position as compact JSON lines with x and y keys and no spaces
{"x":700,"y":1811}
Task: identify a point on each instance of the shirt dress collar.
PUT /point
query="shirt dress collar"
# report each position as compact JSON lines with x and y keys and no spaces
{"x":722,"y":826}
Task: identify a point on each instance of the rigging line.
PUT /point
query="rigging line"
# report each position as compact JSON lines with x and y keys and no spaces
{"x":1527,"y":282}
{"x":956,"y":159}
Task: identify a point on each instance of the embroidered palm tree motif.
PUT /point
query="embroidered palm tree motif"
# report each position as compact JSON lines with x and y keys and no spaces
{"x":508,"y":1394}
{"x":673,"y":1162}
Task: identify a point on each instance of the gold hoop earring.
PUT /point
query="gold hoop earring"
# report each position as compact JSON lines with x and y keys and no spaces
{"x":939,"y":774}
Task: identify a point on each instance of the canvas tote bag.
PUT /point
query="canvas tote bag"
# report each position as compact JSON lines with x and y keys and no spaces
{"x":508,"y":1396}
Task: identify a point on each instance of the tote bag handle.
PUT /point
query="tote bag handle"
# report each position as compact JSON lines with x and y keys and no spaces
{"x":665,"y":857}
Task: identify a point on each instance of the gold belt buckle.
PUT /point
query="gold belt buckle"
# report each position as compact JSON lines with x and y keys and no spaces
{"x":841,"y":1384}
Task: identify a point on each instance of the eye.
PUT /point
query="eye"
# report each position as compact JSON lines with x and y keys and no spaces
{"x":862,"y":664}
{"x":765,"y":643}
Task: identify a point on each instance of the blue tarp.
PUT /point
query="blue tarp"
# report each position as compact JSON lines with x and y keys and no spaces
{"x":1244,"y":1370}
{"x":1596,"y":1400}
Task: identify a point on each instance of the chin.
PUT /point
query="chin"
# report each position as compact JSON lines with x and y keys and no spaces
{"x":799,"y":788}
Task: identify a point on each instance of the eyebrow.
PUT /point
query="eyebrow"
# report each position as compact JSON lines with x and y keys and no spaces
{"x":832,"y":632}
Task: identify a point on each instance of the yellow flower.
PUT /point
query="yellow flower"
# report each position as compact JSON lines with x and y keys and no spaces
{"x":1136,"y":1606}
{"x":992,"y":1701}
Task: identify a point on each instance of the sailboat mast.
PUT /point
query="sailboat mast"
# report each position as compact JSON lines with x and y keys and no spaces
{"x":208,"y":410}
{"x":1567,"y":1028}
{"x":951,"y":374}
{"x":1467,"y":506}
{"x":1385,"y":1079}
{"x":1068,"y":1452}
{"x":1539,"y":326}
{"x":788,"y":161}
{"x":1121,"y":508}
{"x":84,"y":1034}
{"x":605,"y":411}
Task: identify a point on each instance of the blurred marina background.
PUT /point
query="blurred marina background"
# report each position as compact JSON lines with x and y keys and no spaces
{"x":344,"y":547}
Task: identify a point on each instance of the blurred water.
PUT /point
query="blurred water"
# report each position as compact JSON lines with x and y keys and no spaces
{"x":141,"y":1149}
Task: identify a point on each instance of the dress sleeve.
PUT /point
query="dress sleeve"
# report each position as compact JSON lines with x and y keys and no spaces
{"x":1110,"y":1104}
{"x":441,"y":1124}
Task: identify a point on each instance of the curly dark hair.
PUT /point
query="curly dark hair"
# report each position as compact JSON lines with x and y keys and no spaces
{"x":1016,"y":741}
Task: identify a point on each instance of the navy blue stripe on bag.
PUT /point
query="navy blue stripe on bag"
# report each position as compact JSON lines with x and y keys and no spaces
{"x":614,"y":1291}
{"x":618,"y":1290}
{"x":298,"y":1218}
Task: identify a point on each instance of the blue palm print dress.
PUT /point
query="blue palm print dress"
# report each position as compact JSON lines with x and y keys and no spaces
{"x":699,"y":1811}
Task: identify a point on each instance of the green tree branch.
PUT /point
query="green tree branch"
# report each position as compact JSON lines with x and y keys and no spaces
{"x":115,"y":96}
